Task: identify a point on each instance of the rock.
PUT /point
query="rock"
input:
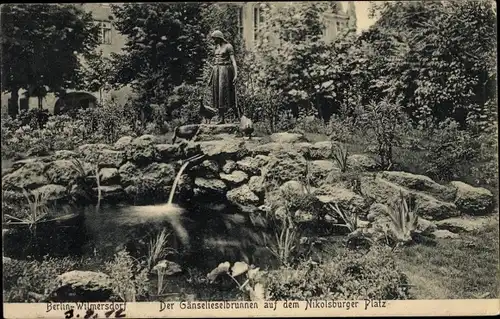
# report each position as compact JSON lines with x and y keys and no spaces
{"x":345,"y":198}
{"x":425,"y":226}
{"x":301,"y":216}
{"x":266,"y":149}
{"x":386,"y":192}
{"x":463,"y":224}
{"x":320,"y":169}
{"x":111,"y":192}
{"x":142,"y":150}
{"x":229,"y":149}
{"x":229,"y":167}
{"x":252,"y":165}
{"x":420,"y":183}
{"x":89,"y":151}
{"x":189,"y":149}
{"x":207,"y":168}
{"x":216,"y":137}
{"x":361,"y":162}
{"x":320,"y":150}
{"x":286,"y":137}
{"x":242,"y":196}
{"x":52,"y":192}
{"x":283,"y":167}
{"x":256,"y":185}
{"x":236,"y":178}
{"x":123,"y":142}
{"x":377,"y":211}
{"x":64,"y":155}
{"x":129,"y":173}
{"x":472,"y":200}
{"x":292,"y":188}
{"x":210,"y":185}
{"x":64,"y":172}
{"x":20,"y":163}
{"x":152,"y":178}
{"x":216,"y":129}
{"x":29,"y":176}
{"x":82,"y":286}
{"x":109,"y":176}
{"x":167,"y":152}
{"x":444,"y":234}
{"x":110,"y":158}
{"x":303,"y":148}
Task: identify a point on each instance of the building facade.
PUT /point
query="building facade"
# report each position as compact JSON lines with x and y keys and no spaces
{"x":250,"y":20}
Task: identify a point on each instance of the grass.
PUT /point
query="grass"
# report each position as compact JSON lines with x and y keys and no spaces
{"x":462,"y":268}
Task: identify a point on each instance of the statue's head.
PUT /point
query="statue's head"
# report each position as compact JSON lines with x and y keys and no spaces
{"x":218,"y":37}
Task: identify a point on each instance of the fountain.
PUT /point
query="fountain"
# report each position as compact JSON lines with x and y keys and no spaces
{"x":164,"y":212}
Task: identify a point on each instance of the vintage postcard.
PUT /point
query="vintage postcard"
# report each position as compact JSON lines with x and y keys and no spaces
{"x":249,"y":159}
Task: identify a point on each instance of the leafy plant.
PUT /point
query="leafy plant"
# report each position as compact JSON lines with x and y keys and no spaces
{"x":351,"y":275}
{"x":158,"y":248}
{"x":37,"y":209}
{"x":286,"y":238}
{"x":251,"y":286}
{"x":350,"y":219}
{"x":127,"y":277}
{"x":340,"y":155}
{"x":404,"y":219}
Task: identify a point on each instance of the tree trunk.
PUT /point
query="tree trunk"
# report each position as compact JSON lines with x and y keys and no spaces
{"x":40,"y":102}
{"x":13,"y":104}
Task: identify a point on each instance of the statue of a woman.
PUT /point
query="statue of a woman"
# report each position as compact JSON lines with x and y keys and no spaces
{"x":224,"y":75}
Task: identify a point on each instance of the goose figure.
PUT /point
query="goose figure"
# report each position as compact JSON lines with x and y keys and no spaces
{"x":206,"y":112}
{"x":187,"y":132}
{"x":246,"y":126}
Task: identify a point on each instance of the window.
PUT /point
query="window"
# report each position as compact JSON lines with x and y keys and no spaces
{"x":104,"y":31}
{"x":240,"y":21}
{"x":258,"y":19}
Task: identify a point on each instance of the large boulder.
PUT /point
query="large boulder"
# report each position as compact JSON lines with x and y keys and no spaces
{"x":64,"y":172}
{"x":52,"y":192}
{"x":286,"y":137}
{"x":218,"y":129}
{"x":256,"y":185}
{"x":268,"y":148}
{"x":168,"y":152}
{"x":361,"y":162}
{"x":464,"y":224}
{"x":320,"y":150}
{"x":233,"y":149}
{"x":152,"y":178}
{"x":109,"y":176}
{"x":29,"y":176}
{"x":283,"y":167}
{"x":472,"y":200}
{"x":210,"y":186}
{"x":420,"y":183}
{"x":110,"y":158}
{"x":344,"y":198}
{"x":236,"y":178}
{"x":207,"y":168}
{"x":320,"y":169}
{"x":82,"y":286}
{"x":142,"y":150}
{"x":228,"y":167}
{"x":242,"y":196}
{"x":252,"y":165}
{"x":385,"y":192}
{"x":123,"y":143}
{"x":292,"y":188}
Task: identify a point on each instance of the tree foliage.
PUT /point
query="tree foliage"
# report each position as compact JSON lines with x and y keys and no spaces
{"x":40,"y":44}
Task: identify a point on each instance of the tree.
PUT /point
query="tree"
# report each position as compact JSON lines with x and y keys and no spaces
{"x":437,"y":57}
{"x":40,"y":44}
{"x":96,"y":73}
{"x":165,"y":46}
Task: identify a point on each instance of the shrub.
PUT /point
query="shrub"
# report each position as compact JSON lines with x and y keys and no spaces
{"x":388,"y":123}
{"x":24,"y":280}
{"x":448,"y":148}
{"x":128,"y":280}
{"x":348,"y":276}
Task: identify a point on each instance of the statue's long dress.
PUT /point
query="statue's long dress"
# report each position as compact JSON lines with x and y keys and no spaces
{"x":223,"y":91}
